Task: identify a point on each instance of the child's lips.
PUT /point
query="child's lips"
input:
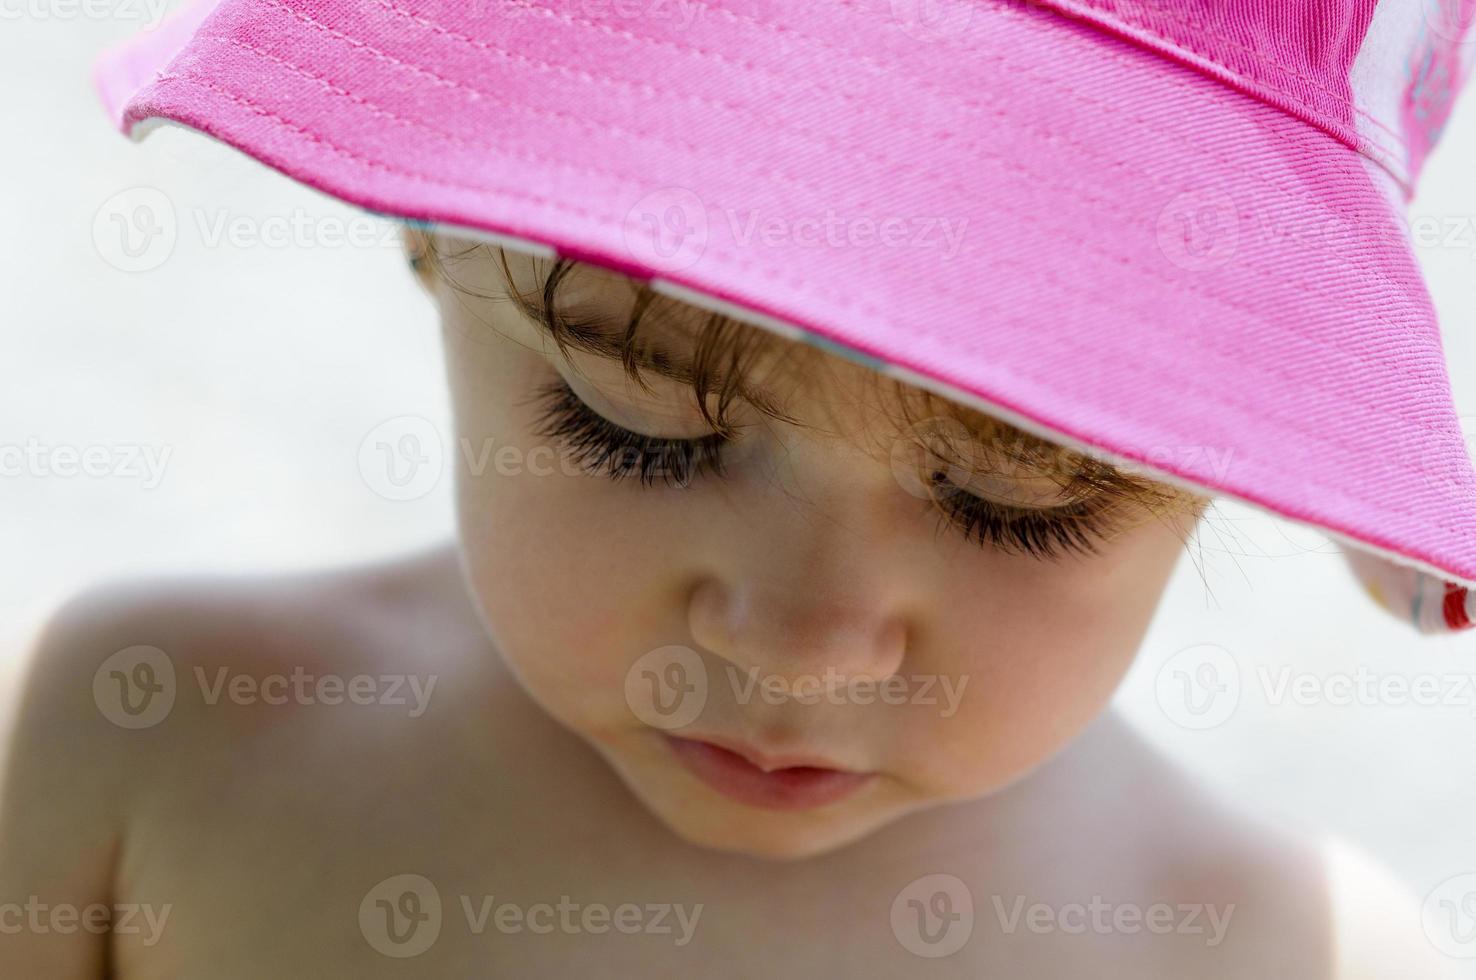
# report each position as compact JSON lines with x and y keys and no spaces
{"x":775,"y":783}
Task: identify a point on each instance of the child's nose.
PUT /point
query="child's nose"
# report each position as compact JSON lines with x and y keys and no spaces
{"x":795,"y":632}
{"x":816,"y":583}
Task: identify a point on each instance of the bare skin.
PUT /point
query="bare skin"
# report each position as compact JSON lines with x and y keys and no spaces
{"x":492,"y":762}
{"x":257,"y":831}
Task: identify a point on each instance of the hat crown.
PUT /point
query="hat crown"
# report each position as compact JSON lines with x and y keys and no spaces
{"x":1381,"y":75}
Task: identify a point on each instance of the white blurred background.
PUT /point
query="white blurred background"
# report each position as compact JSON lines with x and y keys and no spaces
{"x":260,"y":367}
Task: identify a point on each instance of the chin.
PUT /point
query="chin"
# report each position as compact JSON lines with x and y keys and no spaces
{"x":753,"y":834}
{"x":777,"y":847}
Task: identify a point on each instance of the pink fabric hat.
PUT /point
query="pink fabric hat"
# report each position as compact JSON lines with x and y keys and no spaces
{"x":1169,"y":231}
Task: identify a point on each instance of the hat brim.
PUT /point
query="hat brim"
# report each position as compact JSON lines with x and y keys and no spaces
{"x":1021,"y":212}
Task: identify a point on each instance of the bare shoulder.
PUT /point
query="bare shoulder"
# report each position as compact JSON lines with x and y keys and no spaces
{"x":1320,"y":907}
{"x":1129,"y":847}
{"x":131,"y":679}
{"x":158,"y":704}
{"x":262,"y":618}
{"x":1320,"y":903}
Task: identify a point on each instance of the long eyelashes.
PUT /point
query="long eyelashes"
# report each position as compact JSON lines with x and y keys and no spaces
{"x":1075,"y":528}
{"x":602,"y":448}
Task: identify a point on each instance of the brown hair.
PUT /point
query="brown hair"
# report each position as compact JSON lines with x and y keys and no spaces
{"x":725,"y":351}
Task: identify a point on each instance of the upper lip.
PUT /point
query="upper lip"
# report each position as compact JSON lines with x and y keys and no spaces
{"x":770,"y":761}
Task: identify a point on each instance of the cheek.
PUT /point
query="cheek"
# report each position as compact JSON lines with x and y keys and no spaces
{"x":569,"y":570}
{"x":554,"y":609}
{"x":1038,"y":655}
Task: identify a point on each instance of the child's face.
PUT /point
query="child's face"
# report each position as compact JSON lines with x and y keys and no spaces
{"x":809,"y":588}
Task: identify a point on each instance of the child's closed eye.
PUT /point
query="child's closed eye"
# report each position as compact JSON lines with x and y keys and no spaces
{"x":604,"y":448}
{"x":601,"y":447}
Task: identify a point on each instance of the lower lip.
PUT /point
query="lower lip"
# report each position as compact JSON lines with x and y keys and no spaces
{"x":796,"y":788}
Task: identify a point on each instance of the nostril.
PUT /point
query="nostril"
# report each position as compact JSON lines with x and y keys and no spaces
{"x":709,"y":616}
{"x":792,"y":633}
{"x":889,"y":648}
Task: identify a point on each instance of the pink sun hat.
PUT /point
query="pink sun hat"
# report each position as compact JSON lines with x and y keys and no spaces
{"x":1170,"y":232}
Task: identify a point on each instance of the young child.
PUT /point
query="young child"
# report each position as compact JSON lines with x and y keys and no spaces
{"x":773,"y":642}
